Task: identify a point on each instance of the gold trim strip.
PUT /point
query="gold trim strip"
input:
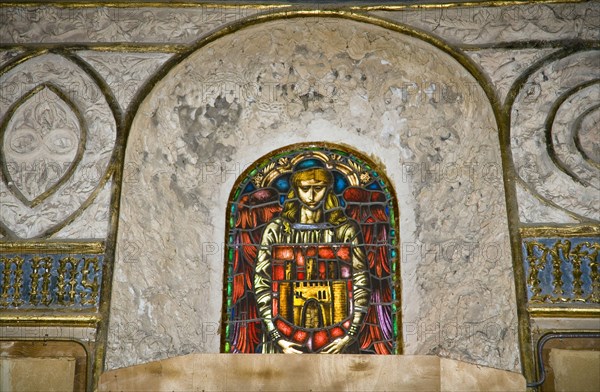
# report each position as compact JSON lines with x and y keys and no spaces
{"x":559,"y":231}
{"x":178,"y":48}
{"x":46,"y":320}
{"x":117,"y":46}
{"x":528,"y":44}
{"x":573,"y":312}
{"x":53,"y":247}
{"x":263,"y":6}
{"x":489,"y":3}
{"x":155,"y":4}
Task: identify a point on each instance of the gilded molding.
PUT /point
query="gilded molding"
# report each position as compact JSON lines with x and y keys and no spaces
{"x":267,"y":6}
{"x":65,"y":319}
{"x":53,"y":247}
{"x":559,"y":231}
{"x":116,"y":47}
{"x":141,"y":4}
{"x":577,"y":127}
{"x":570,"y":312}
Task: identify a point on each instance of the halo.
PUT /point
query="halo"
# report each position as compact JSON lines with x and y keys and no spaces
{"x":351,"y":170}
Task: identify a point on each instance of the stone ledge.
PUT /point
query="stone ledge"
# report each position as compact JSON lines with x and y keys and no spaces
{"x":255,"y":372}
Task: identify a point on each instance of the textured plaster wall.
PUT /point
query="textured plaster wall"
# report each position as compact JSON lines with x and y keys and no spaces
{"x":400,"y":100}
{"x":405,"y":103}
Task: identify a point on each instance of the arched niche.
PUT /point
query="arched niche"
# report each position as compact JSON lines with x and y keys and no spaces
{"x":402,"y":98}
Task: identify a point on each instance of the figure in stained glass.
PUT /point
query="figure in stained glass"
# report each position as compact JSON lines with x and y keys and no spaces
{"x":311,"y":253}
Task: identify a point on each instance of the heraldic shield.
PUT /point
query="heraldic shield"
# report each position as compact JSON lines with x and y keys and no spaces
{"x":312,"y":254}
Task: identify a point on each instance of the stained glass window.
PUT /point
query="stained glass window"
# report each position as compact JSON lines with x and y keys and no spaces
{"x":312,"y":256}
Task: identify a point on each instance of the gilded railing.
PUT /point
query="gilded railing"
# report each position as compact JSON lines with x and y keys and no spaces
{"x":50,"y":281}
{"x":562,"y":270}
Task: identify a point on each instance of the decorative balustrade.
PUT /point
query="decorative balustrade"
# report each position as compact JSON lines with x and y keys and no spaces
{"x":562,"y":270}
{"x":50,"y":281}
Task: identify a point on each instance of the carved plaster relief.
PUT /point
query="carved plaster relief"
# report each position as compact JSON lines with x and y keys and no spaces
{"x":41,"y":124}
{"x":179,"y":25}
{"x":113,"y":24}
{"x":533,"y":209}
{"x":8,"y":55}
{"x":124,"y":72}
{"x":504,"y":66}
{"x":486,"y":25}
{"x":550,"y":117}
{"x":57,"y":140}
{"x":93,"y":221}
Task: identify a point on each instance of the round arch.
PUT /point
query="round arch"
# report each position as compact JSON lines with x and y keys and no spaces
{"x":417,"y":107}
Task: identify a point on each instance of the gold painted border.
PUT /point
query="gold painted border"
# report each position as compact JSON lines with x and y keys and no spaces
{"x":567,"y":312}
{"x":375,"y":166}
{"x":66,"y":319}
{"x":54,"y":247}
{"x":270,"y":6}
{"x":535,"y":231}
{"x":116,"y":46}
